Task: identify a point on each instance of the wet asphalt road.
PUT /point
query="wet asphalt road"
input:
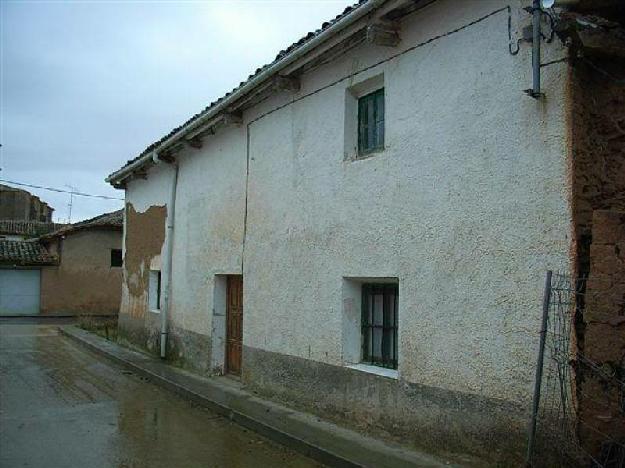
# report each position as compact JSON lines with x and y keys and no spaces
{"x":61,"y":406}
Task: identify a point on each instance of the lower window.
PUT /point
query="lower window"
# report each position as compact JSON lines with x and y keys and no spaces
{"x":379,"y":324}
{"x":154,"y":293}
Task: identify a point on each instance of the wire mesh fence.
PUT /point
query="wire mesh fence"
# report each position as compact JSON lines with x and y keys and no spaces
{"x":579,"y":411}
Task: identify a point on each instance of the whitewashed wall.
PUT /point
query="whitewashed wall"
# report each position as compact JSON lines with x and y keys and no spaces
{"x":467,"y":206}
{"x":210,"y":207}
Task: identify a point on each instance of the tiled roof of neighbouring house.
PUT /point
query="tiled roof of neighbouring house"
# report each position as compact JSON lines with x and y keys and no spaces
{"x":114,"y":220}
{"x":283,"y":53}
{"x":24,"y":253}
{"x":27,"y":228}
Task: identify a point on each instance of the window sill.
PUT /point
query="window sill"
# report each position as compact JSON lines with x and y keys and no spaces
{"x":381,"y":371}
{"x":366,"y":155}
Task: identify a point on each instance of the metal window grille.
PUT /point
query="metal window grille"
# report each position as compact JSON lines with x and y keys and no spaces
{"x":158,"y":291}
{"x":371,"y":122}
{"x":379,"y":324}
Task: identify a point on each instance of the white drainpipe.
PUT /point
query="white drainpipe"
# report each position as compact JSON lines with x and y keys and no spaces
{"x":168,"y":254}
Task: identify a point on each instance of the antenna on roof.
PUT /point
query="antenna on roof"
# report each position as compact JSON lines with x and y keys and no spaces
{"x":71,"y":202}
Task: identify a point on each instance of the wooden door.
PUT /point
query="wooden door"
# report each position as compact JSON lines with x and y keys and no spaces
{"x":234,"y":324}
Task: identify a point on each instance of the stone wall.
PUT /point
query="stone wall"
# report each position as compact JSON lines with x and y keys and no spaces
{"x":598,"y":127}
{"x":598,"y":131}
{"x":17,"y":204}
{"x":439,"y":421}
{"x":602,"y":399}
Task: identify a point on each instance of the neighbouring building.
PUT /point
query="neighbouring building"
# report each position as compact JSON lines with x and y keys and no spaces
{"x":88,"y":276}
{"x":20,"y":205}
{"x":21,"y":262}
{"x":362,"y":227}
{"x":74,"y":270}
{"x":23,"y":215}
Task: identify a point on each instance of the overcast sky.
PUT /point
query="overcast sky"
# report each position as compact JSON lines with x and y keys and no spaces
{"x":86,"y":86}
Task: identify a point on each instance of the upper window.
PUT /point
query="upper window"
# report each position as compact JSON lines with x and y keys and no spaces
{"x":379,"y":324}
{"x":116,"y":258}
{"x":371,"y":122}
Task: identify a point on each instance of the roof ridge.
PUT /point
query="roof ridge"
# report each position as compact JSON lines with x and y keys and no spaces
{"x":111,"y":219}
{"x":282,"y":54}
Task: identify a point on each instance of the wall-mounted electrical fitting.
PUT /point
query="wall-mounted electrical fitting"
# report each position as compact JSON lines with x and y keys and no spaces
{"x":533,"y":34}
{"x":537,"y":11}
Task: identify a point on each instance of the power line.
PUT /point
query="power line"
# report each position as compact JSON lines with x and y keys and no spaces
{"x":52,"y":189}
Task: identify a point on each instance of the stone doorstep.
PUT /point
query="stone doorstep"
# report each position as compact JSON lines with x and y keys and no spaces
{"x":305,"y":433}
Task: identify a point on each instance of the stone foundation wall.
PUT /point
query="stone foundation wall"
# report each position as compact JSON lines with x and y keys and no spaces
{"x":189,"y":350}
{"x":141,"y":333}
{"x":429,"y":418}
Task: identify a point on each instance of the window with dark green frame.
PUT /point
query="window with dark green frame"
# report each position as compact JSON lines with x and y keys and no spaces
{"x":371,"y":122}
{"x":379,"y":324}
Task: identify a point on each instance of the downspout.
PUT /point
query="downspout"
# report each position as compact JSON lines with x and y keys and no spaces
{"x":168,"y":254}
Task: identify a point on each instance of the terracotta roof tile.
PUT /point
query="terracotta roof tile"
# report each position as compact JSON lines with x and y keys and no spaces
{"x":24,"y":253}
{"x":28,"y":228}
{"x":114,"y":220}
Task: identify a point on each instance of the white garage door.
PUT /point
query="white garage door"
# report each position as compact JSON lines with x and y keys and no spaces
{"x":19,"y":292}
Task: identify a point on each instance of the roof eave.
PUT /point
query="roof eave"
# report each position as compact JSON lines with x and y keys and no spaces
{"x":117,"y":177}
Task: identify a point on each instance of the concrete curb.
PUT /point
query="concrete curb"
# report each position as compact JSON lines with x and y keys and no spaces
{"x":307,"y":434}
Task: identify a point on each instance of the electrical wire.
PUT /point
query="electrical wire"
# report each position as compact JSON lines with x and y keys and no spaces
{"x":385,"y":60}
{"x":510,"y":42}
{"x":52,"y":189}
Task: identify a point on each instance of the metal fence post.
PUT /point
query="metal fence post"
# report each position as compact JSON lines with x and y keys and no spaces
{"x":539,"y":370}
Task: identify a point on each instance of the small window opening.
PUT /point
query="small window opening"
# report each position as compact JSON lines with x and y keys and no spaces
{"x":379,"y":324}
{"x":371,"y":122}
{"x":116,"y":258}
{"x":154,"y":293}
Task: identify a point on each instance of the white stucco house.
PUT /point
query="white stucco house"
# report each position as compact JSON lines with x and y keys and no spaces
{"x":362,"y":227}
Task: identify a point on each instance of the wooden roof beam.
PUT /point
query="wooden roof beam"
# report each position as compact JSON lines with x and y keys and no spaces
{"x":383,"y":33}
{"x":195,"y":142}
{"x":233,"y":118}
{"x":286,"y":83}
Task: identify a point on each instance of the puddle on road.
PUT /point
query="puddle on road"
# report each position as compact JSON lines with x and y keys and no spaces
{"x":62,"y":406}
